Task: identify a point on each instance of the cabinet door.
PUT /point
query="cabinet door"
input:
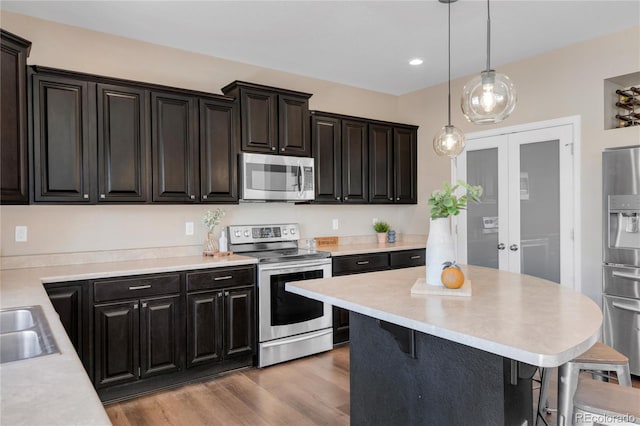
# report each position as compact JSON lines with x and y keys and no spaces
{"x":293,"y":129}
{"x":117,"y":357}
{"x":14,"y":170}
{"x":218,"y":151}
{"x":259,"y":110}
{"x":204,"y":328}
{"x":239,"y":322}
{"x":355,"y":174}
{"x":380,"y":164}
{"x":325,"y":140}
{"x":174,"y":143}
{"x":405,"y":154}
{"x":160,"y":336}
{"x":123,"y":147}
{"x":67,"y":301}
{"x":62,"y":140}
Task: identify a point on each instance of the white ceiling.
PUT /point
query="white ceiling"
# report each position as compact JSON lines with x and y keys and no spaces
{"x":360,"y":43}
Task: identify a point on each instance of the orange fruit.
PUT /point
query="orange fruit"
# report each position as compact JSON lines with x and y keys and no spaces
{"x":452,"y":276}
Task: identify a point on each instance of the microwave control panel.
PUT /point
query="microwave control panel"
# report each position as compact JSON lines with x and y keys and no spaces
{"x":246,"y":234}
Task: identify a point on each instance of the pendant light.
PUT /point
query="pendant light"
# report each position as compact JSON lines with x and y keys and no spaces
{"x":449,"y":140}
{"x":491,"y":96}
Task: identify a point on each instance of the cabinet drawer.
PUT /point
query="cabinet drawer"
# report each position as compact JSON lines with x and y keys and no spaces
{"x":407,"y":258}
{"x":130,"y":288}
{"x":223,"y":277}
{"x":354,"y":264}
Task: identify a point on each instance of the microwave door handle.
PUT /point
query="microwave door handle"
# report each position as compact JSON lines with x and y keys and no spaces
{"x":300,"y":180}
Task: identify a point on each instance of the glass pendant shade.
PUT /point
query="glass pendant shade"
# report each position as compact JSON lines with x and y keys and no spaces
{"x":488,"y":98}
{"x":449,"y":141}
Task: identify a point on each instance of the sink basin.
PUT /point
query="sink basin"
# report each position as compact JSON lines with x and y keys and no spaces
{"x":16,"y":320}
{"x":19,"y":345}
{"x":24,"y":334}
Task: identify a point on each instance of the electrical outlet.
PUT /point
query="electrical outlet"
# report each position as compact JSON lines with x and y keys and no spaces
{"x":334,"y":224}
{"x":188,"y":228}
{"x":374,"y":220}
{"x":21,"y":234}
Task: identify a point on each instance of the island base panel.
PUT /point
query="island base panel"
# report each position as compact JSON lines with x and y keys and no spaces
{"x":404,"y":377}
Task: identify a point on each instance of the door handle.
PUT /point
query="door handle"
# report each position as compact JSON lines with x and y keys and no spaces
{"x":626,"y":307}
{"x":627,"y":276}
{"x":501,"y":246}
{"x":513,"y":247}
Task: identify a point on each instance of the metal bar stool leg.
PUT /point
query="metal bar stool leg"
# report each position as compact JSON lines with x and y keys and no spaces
{"x":567,"y":385}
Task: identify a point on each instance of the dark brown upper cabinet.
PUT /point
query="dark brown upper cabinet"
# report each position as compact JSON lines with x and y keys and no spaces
{"x":363,"y":161}
{"x":273,"y":120}
{"x":123,"y":143}
{"x":63,"y":140}
{"x":380,"y":164}
{"x":14,"y":169}
{"x":405,"y":159}
{"x":326,"y":142}
{"x":175,"y":148}
{"x":219,"y":130}
{"x":355,"y":146}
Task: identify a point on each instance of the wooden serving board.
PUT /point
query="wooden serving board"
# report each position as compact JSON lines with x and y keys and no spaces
{"x":217,"y":253}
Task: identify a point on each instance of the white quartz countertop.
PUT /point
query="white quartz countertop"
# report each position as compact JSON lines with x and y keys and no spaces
{"x":517,"y":316}
{"x":55,"y":389}
{"x":364,"y":248}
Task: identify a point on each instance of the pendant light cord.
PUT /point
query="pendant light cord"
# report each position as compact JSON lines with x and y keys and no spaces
{"x":449,"y":48}
{"x":488,"y":38}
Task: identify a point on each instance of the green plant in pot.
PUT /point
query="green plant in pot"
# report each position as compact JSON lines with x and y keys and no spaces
{"x":444,"y":203}
{"x":381,"y":229}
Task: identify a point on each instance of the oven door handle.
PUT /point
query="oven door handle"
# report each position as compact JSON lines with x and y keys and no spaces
{"x":298,"y":338}
{"x":626,"y":307}
{"x":627,"y":276}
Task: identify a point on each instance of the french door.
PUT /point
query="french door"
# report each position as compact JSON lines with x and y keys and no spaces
{"x":524,"y":221}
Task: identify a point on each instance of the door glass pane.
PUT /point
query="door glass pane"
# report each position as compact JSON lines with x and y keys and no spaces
{"x":482,"y":217}
{"x":288,"y":308}
{"x":540,"y":210}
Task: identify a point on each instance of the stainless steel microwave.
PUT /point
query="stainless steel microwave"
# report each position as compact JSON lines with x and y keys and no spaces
{"x":276,"y":178}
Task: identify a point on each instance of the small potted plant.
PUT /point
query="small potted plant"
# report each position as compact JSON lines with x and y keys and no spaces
{"x":444,"y":203}
{"x":381,"y":228}
{"x":212,"y":219}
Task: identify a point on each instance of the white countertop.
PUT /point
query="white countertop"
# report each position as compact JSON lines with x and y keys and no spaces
{"x":55,"y":389}
{"x":516,"y":316}
{"x":364,"y":248}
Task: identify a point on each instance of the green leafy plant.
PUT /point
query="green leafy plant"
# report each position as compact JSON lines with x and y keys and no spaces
{"x":445,"y":203}
{"x":212,"y":219}
{"x":381,"y":227}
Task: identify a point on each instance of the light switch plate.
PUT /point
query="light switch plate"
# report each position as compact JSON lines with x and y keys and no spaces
{"x":21,"y":234}
{"x":188,"y":228}
{"x":334,"y":224}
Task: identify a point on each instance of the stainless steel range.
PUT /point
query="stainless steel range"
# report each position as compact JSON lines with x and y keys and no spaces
{"x":290,"y":326}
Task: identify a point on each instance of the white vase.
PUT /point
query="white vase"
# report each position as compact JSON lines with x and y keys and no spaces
{"x":439,"y":249}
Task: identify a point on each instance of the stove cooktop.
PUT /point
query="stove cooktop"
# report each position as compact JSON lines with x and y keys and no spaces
{"x":287,"y":255}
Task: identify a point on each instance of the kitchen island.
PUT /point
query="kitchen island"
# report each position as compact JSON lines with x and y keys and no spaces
{"x":427,"y":359}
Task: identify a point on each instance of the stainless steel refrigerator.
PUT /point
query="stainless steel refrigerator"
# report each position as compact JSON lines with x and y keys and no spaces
{"x":621,"y":251}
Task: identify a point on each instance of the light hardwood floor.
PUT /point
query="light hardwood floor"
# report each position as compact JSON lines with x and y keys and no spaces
{"x":308,"y":391}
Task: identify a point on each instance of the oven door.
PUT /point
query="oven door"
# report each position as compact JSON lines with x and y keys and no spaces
{"x":283,"y":314}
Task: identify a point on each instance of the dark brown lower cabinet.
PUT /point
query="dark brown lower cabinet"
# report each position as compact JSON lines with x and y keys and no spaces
{"x":220,"y":325}
{"x":371,"y":262}
{"x":136,"y":339}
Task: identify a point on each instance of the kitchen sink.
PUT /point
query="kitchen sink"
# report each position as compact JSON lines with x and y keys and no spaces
{"x":24,"y":334}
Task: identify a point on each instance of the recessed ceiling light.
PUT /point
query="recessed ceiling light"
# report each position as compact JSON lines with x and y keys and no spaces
{"x":416,"y":61}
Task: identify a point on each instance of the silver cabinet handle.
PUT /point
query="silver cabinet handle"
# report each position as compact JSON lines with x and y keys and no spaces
{"x":338,"y":198}
{"x":501,"y":246}
{"x":204,"y":197}
{"x":627,"y":276}
{"x":226,"y":277}
{"x":192,"y":197}
{"x":226,"y":293}
{"x":398,"y":199}
{"x":362,"y":262}
{"x":415,"y":257}
{"x":135,"y":306}
{"x":282,"y":149}
{"x":346,"y":198}
{"x":273,"y":148}
{"x":102,"y":196}
{"x":390,"y":198}
{"x":626,"y":307}
{"x":220,"y":294}
{"x":139,"y":287}
{"x":144,"y":304}
{"x":85,"y":196}
{"x":513,"y":247}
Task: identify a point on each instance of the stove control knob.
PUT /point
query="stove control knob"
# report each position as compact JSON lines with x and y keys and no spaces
{"x":293,"y":231}
{"x":246,"y":233}
{"x":237,"y":233}
{"x":285,"y":231}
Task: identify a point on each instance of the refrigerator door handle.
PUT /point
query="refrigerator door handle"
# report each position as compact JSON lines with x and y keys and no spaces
{"x":626,"y":307}
{"x":627,"y":276}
